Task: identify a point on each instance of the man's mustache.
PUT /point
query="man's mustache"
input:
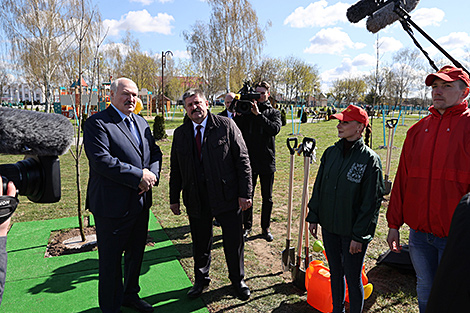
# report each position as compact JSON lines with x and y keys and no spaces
{"x":196,"y":110}
{"x":128,"y":102}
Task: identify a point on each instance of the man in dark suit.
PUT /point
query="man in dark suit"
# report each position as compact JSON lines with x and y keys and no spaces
{"x":124,"y":165}
{"x":228,"y":101}
{"x":210,"y":164}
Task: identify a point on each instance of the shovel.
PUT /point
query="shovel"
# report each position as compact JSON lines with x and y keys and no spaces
{"x":288,"y":255}
{"x":298,"y":274}
{"x":391,"y":126}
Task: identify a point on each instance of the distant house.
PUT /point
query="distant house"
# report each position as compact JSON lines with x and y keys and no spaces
{"x":20,"y":92}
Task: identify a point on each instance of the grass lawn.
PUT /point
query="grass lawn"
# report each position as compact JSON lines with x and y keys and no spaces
{"x":272,"y":289}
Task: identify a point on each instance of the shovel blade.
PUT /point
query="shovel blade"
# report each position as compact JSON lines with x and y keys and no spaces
{"x":288,"y":257}
{"x":298,"y":278}
{"x":388,"y":187}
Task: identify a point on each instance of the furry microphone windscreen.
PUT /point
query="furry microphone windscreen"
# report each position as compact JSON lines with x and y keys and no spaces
{"x":34,"y":133}
{"x":386,"y":16}
{"x":360,"y":10}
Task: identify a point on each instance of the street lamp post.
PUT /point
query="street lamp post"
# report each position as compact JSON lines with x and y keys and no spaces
{"x":164,"y":56}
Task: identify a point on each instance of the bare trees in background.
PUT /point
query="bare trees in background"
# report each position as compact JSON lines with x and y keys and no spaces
{"x":226,"y":48}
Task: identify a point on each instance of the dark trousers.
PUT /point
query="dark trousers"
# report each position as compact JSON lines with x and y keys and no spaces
{"x":344,"y":265}
{"x":116,"y":236}
{"x":233,"y":243}
{"x":266,"y":181}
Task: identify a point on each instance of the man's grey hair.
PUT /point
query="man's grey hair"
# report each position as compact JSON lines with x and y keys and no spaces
{"x":193,"y":92}
{"x":115,"y":84}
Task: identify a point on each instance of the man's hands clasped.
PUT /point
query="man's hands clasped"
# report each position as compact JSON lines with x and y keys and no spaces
{"x":149,"y":180}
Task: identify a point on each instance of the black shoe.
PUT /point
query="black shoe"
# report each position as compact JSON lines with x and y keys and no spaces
{"x":246,"y":233}
{"x":267,"y":235}
{"x":241,"y":290}
{"x":139,"y":305}
{"x":197,"y":289}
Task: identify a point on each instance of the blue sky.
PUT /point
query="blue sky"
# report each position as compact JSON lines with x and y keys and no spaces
{"x":315,"y":31}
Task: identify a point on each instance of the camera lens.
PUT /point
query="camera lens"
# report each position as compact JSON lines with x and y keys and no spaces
{"x":244,"y":106}
{"x":4,"y":185}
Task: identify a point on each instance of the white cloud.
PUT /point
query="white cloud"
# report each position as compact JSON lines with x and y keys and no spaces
{"x":347,"y":69}
{"x":148,"y":2}
{"x":389,"y":44}
{"x":331,"y":41}
{"x":364,"y":59}
{"x":123,"y":49}
{"x":456,"y":44}
{"x":425,"y":17}
{"x":317,"y":14}
{"x":181,"y":54}
{"x":140,"y":21}
{"x":455,"y":40}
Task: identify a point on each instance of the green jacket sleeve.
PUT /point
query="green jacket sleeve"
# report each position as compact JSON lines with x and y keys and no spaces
{"x":314,"y":203}
{"x":373,"y":187}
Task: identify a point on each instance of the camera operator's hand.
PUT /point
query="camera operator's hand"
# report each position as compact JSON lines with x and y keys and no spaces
{"x":11,"y":191}
{"x":254,"y":108}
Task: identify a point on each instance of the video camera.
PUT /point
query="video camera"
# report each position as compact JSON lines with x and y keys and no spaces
{"x":36,"y":177}
{"x":40,"y":138}
{"x":243,"y":99}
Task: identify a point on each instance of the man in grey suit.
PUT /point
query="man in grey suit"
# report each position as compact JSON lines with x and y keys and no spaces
{"x":210,"y":164}
{"x":124,"y":165}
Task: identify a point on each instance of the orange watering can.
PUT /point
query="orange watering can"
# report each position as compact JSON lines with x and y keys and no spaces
{"x":318,"y":283}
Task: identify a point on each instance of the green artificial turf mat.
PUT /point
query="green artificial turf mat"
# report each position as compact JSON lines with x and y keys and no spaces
{"x":69,"y":283}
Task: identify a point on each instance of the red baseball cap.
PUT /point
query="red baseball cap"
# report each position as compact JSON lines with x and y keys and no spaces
{"x":449,"y":74}
{"x":353,"y":113}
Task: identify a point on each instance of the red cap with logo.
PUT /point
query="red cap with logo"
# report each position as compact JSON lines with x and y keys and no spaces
{"x":353,"y":113}
{"x":449,"y":74}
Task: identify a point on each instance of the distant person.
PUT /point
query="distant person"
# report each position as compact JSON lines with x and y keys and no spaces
{"x":432,"y":176}
{"x":228,"y":102}
{"x":124,"y":166}
{"x":8,"y":203}
{"x":209,"y":163}
{"x":346,"y":201}
{"x":259,"y":129}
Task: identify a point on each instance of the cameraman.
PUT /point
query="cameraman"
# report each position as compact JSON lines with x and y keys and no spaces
{"x":11,"y":191}
{"x":259,"y":129}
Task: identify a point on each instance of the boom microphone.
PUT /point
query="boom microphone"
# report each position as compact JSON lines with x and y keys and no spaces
{"x":360,"y":10}
{"x":386,"y":15}
{"x":34,"y":133}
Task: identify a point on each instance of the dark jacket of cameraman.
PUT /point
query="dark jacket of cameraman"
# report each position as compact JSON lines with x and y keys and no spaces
{"x":259,"y":132}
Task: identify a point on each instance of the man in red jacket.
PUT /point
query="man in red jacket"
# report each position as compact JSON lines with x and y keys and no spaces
{"x":432,"y":176}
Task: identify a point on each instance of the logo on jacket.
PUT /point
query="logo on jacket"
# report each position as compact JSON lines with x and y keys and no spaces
{"x":356,"y":172}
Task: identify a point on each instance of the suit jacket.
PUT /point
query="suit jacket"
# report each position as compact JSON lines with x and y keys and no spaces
{"x":225,"y":162}
{"x":116,"y":164}
{"x":224,"y":113}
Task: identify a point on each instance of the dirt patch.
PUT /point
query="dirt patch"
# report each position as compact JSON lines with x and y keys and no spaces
{"x":69,"y":241}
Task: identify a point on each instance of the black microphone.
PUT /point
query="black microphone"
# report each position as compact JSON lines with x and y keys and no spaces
{"x":387,"y":16}
{"x":34,"y":133}
{"x":360,"y":10}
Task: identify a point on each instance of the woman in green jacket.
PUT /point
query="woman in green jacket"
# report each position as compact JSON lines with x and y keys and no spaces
{"x":345,"y":201}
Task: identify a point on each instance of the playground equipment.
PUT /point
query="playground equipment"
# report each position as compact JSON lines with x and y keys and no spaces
{"x":318,"y":283}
